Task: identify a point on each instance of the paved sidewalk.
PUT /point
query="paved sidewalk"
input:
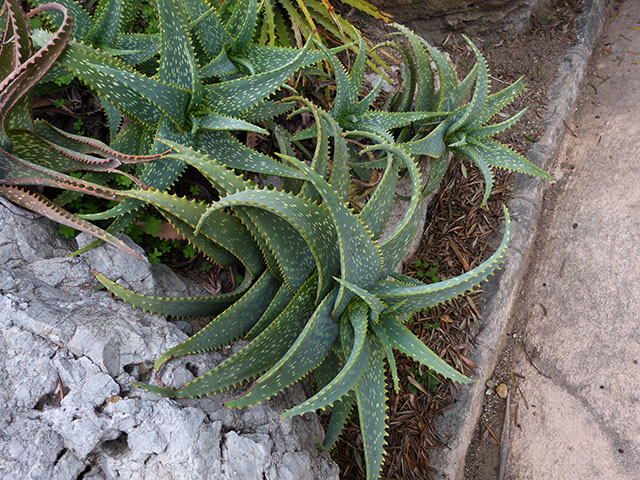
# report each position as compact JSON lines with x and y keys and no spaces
{"x":580,"y":304}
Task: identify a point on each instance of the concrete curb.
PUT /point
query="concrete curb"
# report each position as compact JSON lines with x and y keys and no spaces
{"x":458,"y":422}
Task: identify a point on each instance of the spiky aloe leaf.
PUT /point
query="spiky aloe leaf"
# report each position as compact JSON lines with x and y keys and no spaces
{"x":448,"y":93}
{"x":142,"y":97}
{"x":231,"y":324}
{"x":385,"y":343}
{"x":258,"y":356}
{"x":207,"y":27}
{"x":218,"y":66}
{"x":376,"y":306}
{"x":15,"y":171}
{"x":39,"y":204}
{"x":263,"y":58}
{"x":178,"y":307}
{"x":276,"y":307}
{"x":497,"y":102}
{"x":160,"y":174}
{"x":339,"y":416}
{"x":320,"y":160}
{"x":307,"y":352}
{"x":177,"y":63}
{"x":350,"y":374}
{"x":233,"y":154}
{"x":310,"y":222}
{"x":215,"y":121}
{"x":403,"y":340}
{"x":418,"y":298}
{"x":340,"y":178}
{"x":21,"y":43}
{"x":493,"y":129}
{"x":236,"y":96}
{"x":424,"y":95}
{"x":135,"y":49}
{"x":284,"y":242}
{"x":87,"y":145}
{"x":358,"y":69}
{"x":106,"y":24}
{"x":342,"y":102}
{"x":7,"y":53}
{"x":83,"y":22}
{"x":241,"y":25}
{"x":376,"y":211}
{"x":214,"y":252}
{"x":32,"y":148}
{"x":360,"y":258}
{"x":266,"y":110}
{"x":371,"y":397}
{"x":385,"y":121}
{"x":432,"y":145}
{"x":471,"y":112}
{"x":501,"y":156}
{"x":465,"y":85}
{"x":396,"y":245}
{"x":437,"y":170}
{"x":466,"y":151}
{"x":225,"y":230}
{"x":368,"y":100}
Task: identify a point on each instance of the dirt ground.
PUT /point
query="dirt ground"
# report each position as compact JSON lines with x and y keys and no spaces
{"x":460,"y":234}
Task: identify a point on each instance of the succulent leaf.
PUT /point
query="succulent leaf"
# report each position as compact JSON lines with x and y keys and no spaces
{"x":280,"y":301}
{"x":432,"y":145}
{"x":498,"y":101}
{"x":360,"y":258}
{"x":339,"y":416}
{"x":418,"y":298}
{"x":470,"y":153}
{"x":178,"y":307}
{"x":258,"y":356}
{"x":307,"y":352}
{"x":229,"y":325}
{"x":403,"y":340}
{"x":385,"y":343}
{"x":499,"y":155}
{"x":233,"y":154}
{"x":310,"y":222}
{"x":236,"y":96}
{"x":350,"y":374}
{"x":395,"y":246}
{"x":371,"y":397}
{"x":376,"y":211}
{"x":225,"y":230}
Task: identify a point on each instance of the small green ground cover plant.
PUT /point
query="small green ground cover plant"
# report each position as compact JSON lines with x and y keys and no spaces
{"x":319,"y":295}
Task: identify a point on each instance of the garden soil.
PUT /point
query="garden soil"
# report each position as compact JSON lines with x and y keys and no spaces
{"x":571,"y":362}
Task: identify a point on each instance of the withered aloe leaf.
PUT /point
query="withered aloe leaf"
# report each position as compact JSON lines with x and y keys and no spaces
{"x":39,"y":204}
{"x":27,"y":71}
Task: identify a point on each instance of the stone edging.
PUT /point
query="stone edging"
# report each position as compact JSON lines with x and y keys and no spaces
{"x":458,"y":422}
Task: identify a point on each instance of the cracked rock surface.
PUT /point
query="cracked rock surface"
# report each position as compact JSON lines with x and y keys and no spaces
{"x":68,"y":353}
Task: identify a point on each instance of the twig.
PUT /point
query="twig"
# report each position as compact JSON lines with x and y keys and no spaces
{"x":61,"y":385}
{"x":526,"y":354}
{"x":504,"y":438}
{"x":495,"y":437}
{"x":570,"y":130}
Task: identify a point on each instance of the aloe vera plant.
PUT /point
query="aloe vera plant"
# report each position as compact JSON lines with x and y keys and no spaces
{"x":467,"y":131}
{"x":325,"y":298}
